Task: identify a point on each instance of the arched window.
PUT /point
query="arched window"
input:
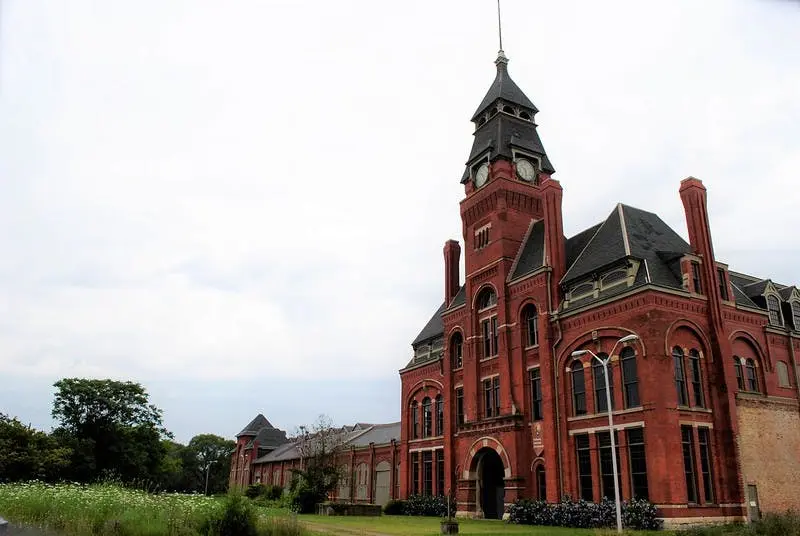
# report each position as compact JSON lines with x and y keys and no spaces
{"x":630,"y":377}
{"x":696,"y":378}
{"x":439,"y":415}
{"x":541,"y":482}
{"x":487,"y":298}
{"x":414,"y":420}
{"x":680,"y":376}
{"x":796,"y":315}
{"x":737,"y":363}
{"x":530,"y":324}
{"x":426,"y":417}
{"x":457,"y":350}
{"x":600,"y":402}
{"x":783,"y":374}
{"x":751,"y":375}
{"x":578,"y":388}
{"x":774,"y":309}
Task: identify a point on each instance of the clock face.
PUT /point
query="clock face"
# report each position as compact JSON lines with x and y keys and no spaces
{"x":525,"y":170}
{"x":482,"y":175}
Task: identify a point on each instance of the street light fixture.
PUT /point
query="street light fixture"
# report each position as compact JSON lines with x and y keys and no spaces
{"x":604,"y":362}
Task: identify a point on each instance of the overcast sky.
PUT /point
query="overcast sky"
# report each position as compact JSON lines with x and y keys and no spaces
{"x":242,"y":205}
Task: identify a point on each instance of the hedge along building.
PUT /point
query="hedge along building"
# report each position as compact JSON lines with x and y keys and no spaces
{"x":705,"y":398}
{"x":368,"y":460}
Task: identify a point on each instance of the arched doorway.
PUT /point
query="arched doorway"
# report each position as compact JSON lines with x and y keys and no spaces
{"x":492,"y":487}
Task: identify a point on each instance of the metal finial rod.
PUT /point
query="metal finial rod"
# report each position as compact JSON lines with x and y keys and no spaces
{"x":499,"y":25}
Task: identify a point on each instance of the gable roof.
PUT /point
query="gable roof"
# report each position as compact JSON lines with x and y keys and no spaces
{"x":531,"y":254}
{"x":350,"y":436}
{"x":433,"y":328}
{"x":254,"y":426}
{"x":627,"y":232}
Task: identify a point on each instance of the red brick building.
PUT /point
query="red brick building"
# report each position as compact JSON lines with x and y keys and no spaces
{"x":369,"y":460}
{"x":494,"y":405}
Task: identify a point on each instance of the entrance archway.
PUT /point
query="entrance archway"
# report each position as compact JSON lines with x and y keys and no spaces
{"x":491,"y":484}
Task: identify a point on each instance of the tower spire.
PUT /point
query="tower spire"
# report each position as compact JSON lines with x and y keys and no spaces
{"x":501,"y":56}
{"x":499,"y":27}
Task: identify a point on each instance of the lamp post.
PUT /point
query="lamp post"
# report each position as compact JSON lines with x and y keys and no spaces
{"x":208,"y":470}
{"x":604,"y":362}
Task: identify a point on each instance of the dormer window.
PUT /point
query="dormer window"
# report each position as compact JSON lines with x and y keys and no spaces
{"x":774,"y":310}
{"x":796,"y":315}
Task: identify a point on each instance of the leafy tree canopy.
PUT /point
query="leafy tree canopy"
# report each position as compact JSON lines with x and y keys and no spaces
{"x":82,"y":404}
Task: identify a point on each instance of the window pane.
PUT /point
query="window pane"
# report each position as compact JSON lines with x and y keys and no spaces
{"x":687,"y":441}
{"x":426,"y":417}
{"x":697,"y":382}
{"x":638,"y":463}
{"x":680,"y":377}
{"x":601,"y":404}
{"x":737,"y":363}
{"x":705,"y":464}
{"x":415,"y":473}
{"x":723,"y":286}
{"x":630,"y":379}
{"x":752,"y":378}
{"x":427,"y":470}
{"x":440,"y":473}
{"x":536,"y":394}
{"x":606,"y":464}
{"x":584,"y":462}
{"x":578,"y":389}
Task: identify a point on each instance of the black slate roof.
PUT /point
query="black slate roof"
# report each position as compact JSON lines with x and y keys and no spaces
{"x":433,"y":328}
{"x":255,"y":426}
{"x":270,"y":437}
{"x":629,"y":232}
{"x":504,"y":88}
{"x":574,"y":246}
{"x":531,"y":256}
{"x":503,"y":132}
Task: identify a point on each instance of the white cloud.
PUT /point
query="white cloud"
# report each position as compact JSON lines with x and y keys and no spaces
{"x":264,"y":188}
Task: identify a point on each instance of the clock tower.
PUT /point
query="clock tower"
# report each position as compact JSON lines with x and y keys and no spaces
{"x":507,"y":181}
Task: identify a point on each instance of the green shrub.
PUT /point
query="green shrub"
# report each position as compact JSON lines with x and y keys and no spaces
{"x":636,"y":514}
{"x":237,"y":518}
{"x":255,"y":490}
{"x":274,"y":493}
{"x":395,"y":507}
{"x":428,"y":505}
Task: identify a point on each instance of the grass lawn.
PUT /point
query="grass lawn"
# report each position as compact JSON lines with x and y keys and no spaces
{"x":424,"y":526}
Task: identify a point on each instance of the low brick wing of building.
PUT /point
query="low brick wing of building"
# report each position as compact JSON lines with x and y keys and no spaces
{"x":368,"y":459}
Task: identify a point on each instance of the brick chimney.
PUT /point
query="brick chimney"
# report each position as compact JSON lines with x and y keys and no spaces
{"x":693,"y":195}
{"x":452,"y":257}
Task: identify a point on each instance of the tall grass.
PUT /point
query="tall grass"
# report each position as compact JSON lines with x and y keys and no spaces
{"x":105,"y":509}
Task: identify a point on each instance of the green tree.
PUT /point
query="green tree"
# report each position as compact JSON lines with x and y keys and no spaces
{"x":213,"y":455}
{"x":319,"y":448}
{"x":112,"y":428}
{"x":26,"y":453}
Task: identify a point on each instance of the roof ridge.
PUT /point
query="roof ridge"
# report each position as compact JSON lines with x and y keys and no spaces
{"x":625,"y":240}
{"x":586,"y":246}
{"x":522,"y":244}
